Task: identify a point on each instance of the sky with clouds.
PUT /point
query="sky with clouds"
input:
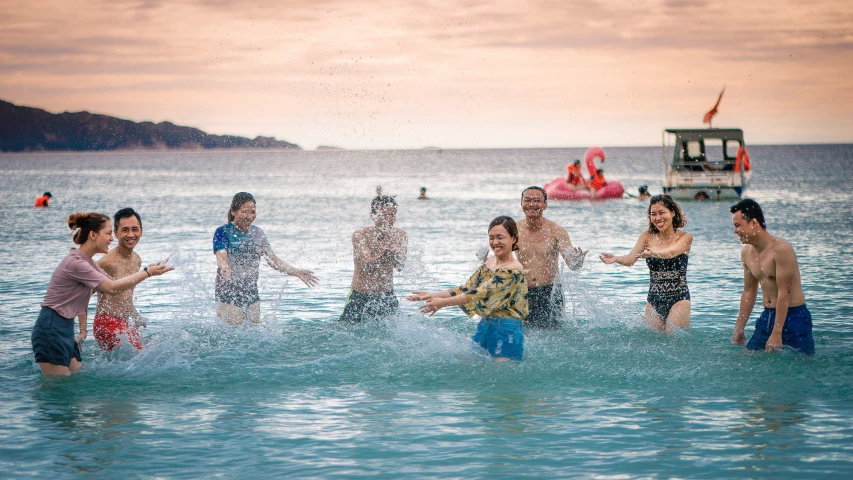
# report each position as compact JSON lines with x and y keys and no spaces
{"x":479,"y":74}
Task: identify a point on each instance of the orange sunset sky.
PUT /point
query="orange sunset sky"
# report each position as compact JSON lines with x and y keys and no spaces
{"x":397,"y":74}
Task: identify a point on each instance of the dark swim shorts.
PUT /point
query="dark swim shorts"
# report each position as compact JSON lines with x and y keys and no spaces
{"x":240,"y":293}
{"x":501,"y":337}
{"x":53,"y":339}
{"x":796,"y":333}
{"x":365,"y":306}
{"x":546,"y":306}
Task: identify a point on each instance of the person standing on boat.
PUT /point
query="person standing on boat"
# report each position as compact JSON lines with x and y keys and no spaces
{"x":496,"y":291}
{"x":541,"y":243}
{"x":377,"y":251}
{"x":56,"y":350}
{"x":770,"y":262}
{"x":665,"y":248}
{"x":239,"y":246}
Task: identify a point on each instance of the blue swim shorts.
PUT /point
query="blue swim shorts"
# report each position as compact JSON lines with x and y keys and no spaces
{"x":501,"y":337}
{"x":796,"y":333}
{"x":53,"y":339}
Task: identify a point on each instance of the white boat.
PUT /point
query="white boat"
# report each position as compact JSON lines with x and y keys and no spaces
{"x":705,"y":164}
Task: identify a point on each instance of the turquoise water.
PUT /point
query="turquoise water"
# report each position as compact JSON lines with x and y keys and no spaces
{"x":302,"y":396}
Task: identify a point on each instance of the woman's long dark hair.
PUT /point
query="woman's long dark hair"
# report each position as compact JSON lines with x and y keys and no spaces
{"x":237,"y":202}
{"x":509,"y":224}
{"x":679,"y":219}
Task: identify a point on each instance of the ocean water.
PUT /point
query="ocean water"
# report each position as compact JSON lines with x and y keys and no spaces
{"x":300,"y":395}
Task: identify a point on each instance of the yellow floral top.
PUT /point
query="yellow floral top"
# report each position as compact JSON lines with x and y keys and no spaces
{"x":497,"y":293}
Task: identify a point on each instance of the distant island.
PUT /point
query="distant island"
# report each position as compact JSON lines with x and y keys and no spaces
{"x":25,"y":129}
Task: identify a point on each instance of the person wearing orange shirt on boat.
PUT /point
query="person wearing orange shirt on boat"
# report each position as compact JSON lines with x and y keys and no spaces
{"x":573,"y":174}
{"x":44,"y":200}
{"x":597,"y":181}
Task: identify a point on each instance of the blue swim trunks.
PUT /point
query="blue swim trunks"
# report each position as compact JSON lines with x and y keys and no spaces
{"x":796,"y":333}
{"x":501,"y":337}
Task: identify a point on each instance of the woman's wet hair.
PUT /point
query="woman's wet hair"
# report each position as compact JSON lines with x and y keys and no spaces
{"x":509,"y":224}
{"x":384,"y":201}
{"x":749,"y":209}
{"x":679,"y":219}
{"x":126,"y":212}
{"x":86,"y":222}
{"x":238,"y":201}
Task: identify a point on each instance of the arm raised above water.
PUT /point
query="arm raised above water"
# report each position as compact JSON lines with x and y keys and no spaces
{"x":632,"y":256}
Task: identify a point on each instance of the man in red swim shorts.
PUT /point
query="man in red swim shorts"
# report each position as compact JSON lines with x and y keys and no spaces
{"x":114,"y":312}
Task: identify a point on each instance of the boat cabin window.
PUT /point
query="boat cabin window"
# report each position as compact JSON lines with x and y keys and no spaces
{"x":694,"y":150}
{"x":714,"y":150}
{"x":731,"y":149}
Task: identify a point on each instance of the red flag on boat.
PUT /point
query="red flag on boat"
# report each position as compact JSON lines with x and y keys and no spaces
{"x":713,"y":111}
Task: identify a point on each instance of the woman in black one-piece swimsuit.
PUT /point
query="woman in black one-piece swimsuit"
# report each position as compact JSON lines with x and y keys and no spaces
{"x":665,"y":249}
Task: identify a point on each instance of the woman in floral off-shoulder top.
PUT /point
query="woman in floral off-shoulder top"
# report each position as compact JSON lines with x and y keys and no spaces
{"x":496,"y":292}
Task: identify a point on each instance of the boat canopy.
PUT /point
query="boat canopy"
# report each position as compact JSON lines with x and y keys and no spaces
{"x":685,"y":134}
{"x":699,"y":149}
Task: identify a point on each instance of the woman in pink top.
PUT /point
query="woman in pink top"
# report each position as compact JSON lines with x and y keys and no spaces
{"x":69,"y":290}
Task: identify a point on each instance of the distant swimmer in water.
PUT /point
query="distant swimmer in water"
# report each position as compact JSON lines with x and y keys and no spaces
{"x":44,"y":200}
{"x":56,"y":350}
{"x":666,"y":249}
{"x":496,"y":292}
{"x":377,"y":250}
{"x":423,"y":195}
{"x":770,"y":262}
{"x":541,"y":243}
{"x":239,"y":246}
{"x":644,"y":193}
{"x":115,"y":312}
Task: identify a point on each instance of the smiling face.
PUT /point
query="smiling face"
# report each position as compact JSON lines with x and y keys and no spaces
{"x":500,"y":241}
{"x":103,"y":238}
{"x":745,"y":229}
{"x":660,"y":217}
{"x":533,"y":203}
{"x":244,"y":216}
{"x":129,"y":232}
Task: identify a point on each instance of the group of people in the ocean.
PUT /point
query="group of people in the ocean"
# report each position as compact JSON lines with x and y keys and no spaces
{"x":515,"y":288}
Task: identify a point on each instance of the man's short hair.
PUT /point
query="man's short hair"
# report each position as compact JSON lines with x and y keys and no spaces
{"x":126,"y":212}
{"x":382,"y":201}
{"x":534,"y":187}
{"x":749,"y":209}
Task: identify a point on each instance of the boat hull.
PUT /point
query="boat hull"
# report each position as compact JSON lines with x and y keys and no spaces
{"x":704,"y":193}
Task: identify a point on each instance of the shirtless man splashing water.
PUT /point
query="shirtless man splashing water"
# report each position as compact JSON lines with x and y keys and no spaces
{"x":114,"y":312}
{"x":541,"y":243}
{"x":377,"y":251}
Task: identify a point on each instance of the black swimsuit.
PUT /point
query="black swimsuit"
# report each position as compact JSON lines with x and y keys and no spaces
{"x":667,"y":283}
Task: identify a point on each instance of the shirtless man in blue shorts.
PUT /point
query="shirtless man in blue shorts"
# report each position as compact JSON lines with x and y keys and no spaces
{"x":770,"y":262}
